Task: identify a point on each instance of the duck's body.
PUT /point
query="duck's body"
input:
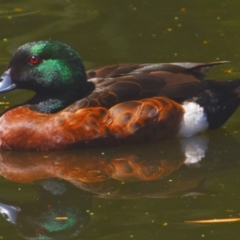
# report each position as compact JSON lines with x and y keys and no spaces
{"x":118,"y":104}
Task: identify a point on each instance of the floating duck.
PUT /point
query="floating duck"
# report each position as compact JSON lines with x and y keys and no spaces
{"x":116,"y":104}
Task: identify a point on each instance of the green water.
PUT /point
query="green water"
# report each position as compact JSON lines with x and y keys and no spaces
{"x":108,"y":32}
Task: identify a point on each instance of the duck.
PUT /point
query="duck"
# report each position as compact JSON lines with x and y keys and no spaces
{"x":111,"y":105}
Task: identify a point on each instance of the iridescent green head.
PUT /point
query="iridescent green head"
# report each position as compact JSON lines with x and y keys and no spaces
{"x":49,"y":68}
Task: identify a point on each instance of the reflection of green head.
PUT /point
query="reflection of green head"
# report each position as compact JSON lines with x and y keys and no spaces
{"x":53,"y":223}
{"x":56,"y":214}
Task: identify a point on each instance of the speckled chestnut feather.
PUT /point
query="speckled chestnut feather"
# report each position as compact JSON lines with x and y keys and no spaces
{"x":143,"y":120}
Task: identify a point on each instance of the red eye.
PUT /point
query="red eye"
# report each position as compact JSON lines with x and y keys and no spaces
{"x":34,"y":60}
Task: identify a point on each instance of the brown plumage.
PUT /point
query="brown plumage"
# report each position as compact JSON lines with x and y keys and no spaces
{"x":125,"y":82}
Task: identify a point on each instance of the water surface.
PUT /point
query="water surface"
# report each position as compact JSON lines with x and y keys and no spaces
{"x":135,"y":192}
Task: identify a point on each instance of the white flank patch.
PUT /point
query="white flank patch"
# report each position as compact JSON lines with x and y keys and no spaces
{"x":194,"y":120}
{"x":194,"y":149}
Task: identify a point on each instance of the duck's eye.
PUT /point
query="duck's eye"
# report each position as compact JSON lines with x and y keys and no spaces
{"x":34,"y":60}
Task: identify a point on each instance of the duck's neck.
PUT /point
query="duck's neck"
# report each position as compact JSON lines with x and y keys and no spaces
{"x":49,"y":103}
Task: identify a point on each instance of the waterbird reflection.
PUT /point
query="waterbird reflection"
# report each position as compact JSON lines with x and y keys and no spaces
{"x":55,"y":214}
{"x":67,"y":181}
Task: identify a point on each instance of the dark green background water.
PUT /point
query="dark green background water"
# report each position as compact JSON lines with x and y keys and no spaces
{"x":113,"y":31}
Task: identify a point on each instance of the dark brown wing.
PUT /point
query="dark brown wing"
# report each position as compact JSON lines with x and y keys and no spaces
{"x":125,"y":82}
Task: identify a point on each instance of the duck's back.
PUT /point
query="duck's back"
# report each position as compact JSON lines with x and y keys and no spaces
{"x":126,"y":82}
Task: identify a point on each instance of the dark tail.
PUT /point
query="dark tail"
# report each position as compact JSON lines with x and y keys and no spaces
{"x":220,"y":100}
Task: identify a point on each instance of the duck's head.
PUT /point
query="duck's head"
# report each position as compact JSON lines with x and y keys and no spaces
{"x":49,"y":68}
